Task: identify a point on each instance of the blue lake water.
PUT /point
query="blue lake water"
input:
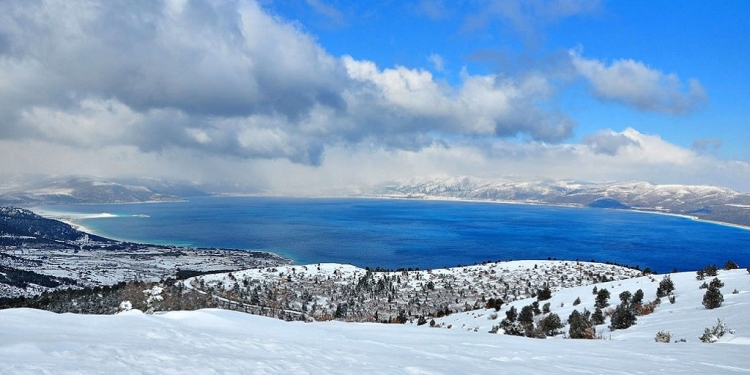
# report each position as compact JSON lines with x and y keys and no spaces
{"x":421,"y":234}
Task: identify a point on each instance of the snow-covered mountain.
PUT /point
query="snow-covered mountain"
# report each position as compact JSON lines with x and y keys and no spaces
{"x":77,"y":189}
{"x":705,"y":202}
{"x":227,"y":342}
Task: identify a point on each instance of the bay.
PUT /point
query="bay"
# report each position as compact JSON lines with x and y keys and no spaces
{"x":393,"y":234}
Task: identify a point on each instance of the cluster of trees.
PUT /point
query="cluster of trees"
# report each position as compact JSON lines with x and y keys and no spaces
{"x":22,"y":278}
{"x":582,"y":323}
{"x":530,"y":322}
{"x":624,"y":315}
{"x":107,"y":299}
{"x":713,"y":297}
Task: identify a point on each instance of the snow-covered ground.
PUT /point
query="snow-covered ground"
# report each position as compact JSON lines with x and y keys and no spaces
{"x":685,"y":319}
{"x":226,"y":342}
{"x":318,"y":290}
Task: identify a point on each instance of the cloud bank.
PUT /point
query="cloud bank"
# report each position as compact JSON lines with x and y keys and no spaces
{"x":227,"y":91}
{"x":633,"y":83}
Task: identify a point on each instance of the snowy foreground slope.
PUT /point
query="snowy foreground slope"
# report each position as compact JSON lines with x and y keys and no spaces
{"x":226,"y":342}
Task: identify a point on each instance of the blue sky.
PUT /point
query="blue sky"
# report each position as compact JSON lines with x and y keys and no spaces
{"x":286,"y":96}
{"x":693,"y":39}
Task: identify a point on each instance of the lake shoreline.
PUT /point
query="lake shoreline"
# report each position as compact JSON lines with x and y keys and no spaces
{"x":453,"y":234}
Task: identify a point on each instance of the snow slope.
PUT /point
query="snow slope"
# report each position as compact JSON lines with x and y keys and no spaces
{"x":225,"y":342}
{"x":685,"y":319}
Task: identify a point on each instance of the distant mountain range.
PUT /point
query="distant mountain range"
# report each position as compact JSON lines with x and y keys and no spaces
{"x":704,"y":202}
{"x":76,"y":189}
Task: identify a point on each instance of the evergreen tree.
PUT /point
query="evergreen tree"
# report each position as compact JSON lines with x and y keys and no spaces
{"x":700,"y":274}
{"x":625,"y":297}
{"x":637,"y":297}
{"x":526,"y":316}
{"x":666,"y":286}
{"x":731,"y":265}
{"x":512,"y":314}
{"x":493,"y":303}
{"x":713,"y":297}
{"x":623,"y":316}
{"x":601,"y":298}
{"x":711,"y":270}
{"x":544,"y":294}
{"x":551,"y":325}
{"x":535,"y":308}
{"x":545,"y":308}
{"x":577,"y":301}
{"x":716,"y":283}
{"x":598,"y":317}
{"x":580,"y":326}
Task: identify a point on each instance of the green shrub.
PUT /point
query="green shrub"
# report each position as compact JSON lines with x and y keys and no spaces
{"x":666,"y":286}
{"x":713,"y":297}
{"x":601,"y":298}
{"x":581,"y":326}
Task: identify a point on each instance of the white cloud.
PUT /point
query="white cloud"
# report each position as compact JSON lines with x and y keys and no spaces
{"x":327,"y":10}
{"x":609,"y":142}
{"x":433,"y":9}
{"x":642,"y":157}
{"x":633,"y":83}
{"x":218,"y":91}
{"x":707,"y":145}
{"x":210,"y":76}
{"x":528,"y":17}
{"x":488,"y":105}
{"x":437,"y":61}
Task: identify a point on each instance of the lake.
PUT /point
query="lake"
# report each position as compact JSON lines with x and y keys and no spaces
{"x":393,"y":233}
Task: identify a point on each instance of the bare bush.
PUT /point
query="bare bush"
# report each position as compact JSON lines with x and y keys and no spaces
{"x":663,"y":336}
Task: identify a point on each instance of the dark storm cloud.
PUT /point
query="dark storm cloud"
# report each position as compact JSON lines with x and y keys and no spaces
{"x":608,"y":142}
{"x":227,"y":78}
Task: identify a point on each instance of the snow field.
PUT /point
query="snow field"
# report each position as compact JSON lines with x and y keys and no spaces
{"x":225,"y":342}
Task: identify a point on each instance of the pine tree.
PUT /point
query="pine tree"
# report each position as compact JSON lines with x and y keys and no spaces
{"x":637,"y":297}
{"x":598,"y":317}
{"x":493,"y":303}
{"x":716,"y":283}
{"x":551,"y":325}
{"x":512,"y":314}
{"x":713,"y":297}
{"x":526,"y":316}
{"x":545,"y":308}
{"x":544,"y":294}
{"x":580,"y":325}
{"x":625,"y":297}
{"x":623,"y":316}
{"x":601,"y":298}
{"x":666,"y":286}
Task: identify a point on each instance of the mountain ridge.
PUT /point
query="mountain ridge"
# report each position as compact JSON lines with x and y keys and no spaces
{"x":704,"y":202}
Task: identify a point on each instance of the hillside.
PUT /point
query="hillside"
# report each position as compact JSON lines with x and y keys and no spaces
{"x":344,"y":292}
{"x":218,"y":341}
{"x":78,"y":189}
{"x":704,"y":202}
{"x":41,"y":255}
